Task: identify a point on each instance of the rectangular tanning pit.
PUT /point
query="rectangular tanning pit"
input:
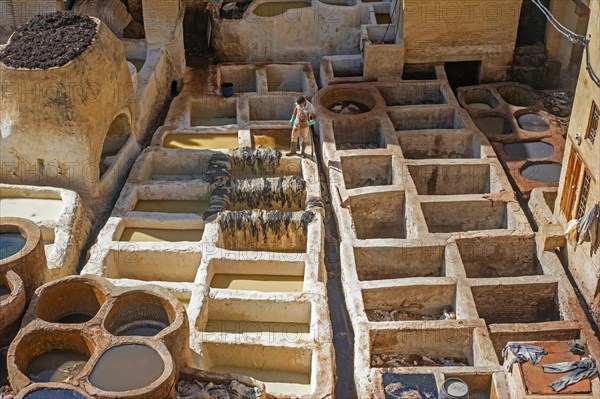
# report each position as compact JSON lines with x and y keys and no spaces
{"x":481,"y":386}
{"x":451,"y":179}
{"x":367,"y":170}
{"x":258,"y":319}
{"x":418,"y":347}
{"x":202,"y":141}
{"x":379,"y":215}
{"x":382,"y":263}
{"x":460,"y":216}
{"x":426,"y":118}
{"x":216,"y":112}
{"x":415,"y":302}
{"x":419,"y":72}
{"x":346,"y":66}
{"x":382,"y":34}
{"x":439,"y":145}
{"x":195,"y":206}
{"x":271,"y":108}
{"x":412,"y":94}
{"x":243,"y":77}
{"x":262,"y":275}
{"x":517,"y":303}
{"x":358,"y":134}
{"x":278,"y":138}
{"x":129,"y":261}
{"x":505,"y":256}
{"x":287,"y":78}
{"x":264,"y":231}
{"x":285,"y":371}
{"x":159,"y":233}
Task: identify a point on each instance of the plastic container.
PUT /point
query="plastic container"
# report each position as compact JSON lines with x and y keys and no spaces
{"x":227,"y":89}
{"x":454,"y":388}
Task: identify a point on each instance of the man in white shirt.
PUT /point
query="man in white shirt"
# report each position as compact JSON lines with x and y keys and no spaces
{"x":302,"y":119}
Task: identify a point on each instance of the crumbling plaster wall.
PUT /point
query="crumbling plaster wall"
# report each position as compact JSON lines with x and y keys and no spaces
{"x":441,"y":31}
{"x":300,"y":34}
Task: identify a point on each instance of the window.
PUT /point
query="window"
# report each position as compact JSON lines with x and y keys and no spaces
{"x":585,"y":189}
{"x":593,"y":125}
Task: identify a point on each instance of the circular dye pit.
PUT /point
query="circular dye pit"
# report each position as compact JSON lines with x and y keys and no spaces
{"x":542,"y":172}
{"x":349,"y":108}
{"x":46,"y":393}
{"x":535,"y":149}
{"x":533,"y":123}
{"x":142,"y":328}
{"x":11,"y":244}
{"x":56,"y":366}
{"x":75,"y":318}
{"x":127,"y":367}
{"x":518,"y":96}
{"x":493,"y":124}
{"x":480,"y":105}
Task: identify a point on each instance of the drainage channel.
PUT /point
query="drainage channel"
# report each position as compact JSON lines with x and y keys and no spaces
{"x":343,"y":335}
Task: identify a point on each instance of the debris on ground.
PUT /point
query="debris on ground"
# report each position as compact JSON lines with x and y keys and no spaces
{"x":199,"y":390}
{"x":398,"y":315}
{"x":396,"y":360}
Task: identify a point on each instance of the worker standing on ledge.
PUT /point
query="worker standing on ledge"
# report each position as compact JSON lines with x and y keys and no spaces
{"x":302,"y":119}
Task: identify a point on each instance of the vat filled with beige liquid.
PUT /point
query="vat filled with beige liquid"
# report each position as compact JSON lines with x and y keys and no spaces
{"x":34,"y":209}
{"x":141,"y":234}
{"x":260,"y":319}
{"x":198,"y":141}
{"x":256,"y":282}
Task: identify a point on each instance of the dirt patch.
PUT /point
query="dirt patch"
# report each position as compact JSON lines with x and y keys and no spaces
{"x":50,"y":40}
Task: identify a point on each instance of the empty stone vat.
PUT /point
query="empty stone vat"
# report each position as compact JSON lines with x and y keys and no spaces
{"x":393,"y":262}
{"x":458,"y":216}
{"x":494,"y":124}
{"x":419,"y":72}
{"x":359,"y":134}
{"x":425,"y":119}
{"x":451,"y":179}
{"x":346,"y":66}
{"x":216,"y":112}
{"x":412,"y":94}
{"x":49,"y":356}
{"x":243,"y":77}
{"x":425,"y":347}
{"x":286,"y":78}
{"x":545,"y":172}
{"x":532,"y":122}
{"x":347,"y":101}
{"x":387,"y":220}
{"x":518,"y":96}
{"x":534,"y":302}
{"x":366,"y":171}
{"x":411,"y":302}
{"x":432,"y":145}
{"x":56,"y":303}
{"x":533,"y":149}
{"x":271,"y":108}
{"x":29,"y":261}
{"x":493,"y":257}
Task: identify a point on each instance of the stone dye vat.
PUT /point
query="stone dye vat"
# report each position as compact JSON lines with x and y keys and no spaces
{"x":61,"y":216}
{"x":93,"y":335}
{"x":520,"y":130}
{"x":432,"y":240}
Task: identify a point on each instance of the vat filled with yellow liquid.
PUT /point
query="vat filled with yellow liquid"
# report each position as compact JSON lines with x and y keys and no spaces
{"x":197,"y":141}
